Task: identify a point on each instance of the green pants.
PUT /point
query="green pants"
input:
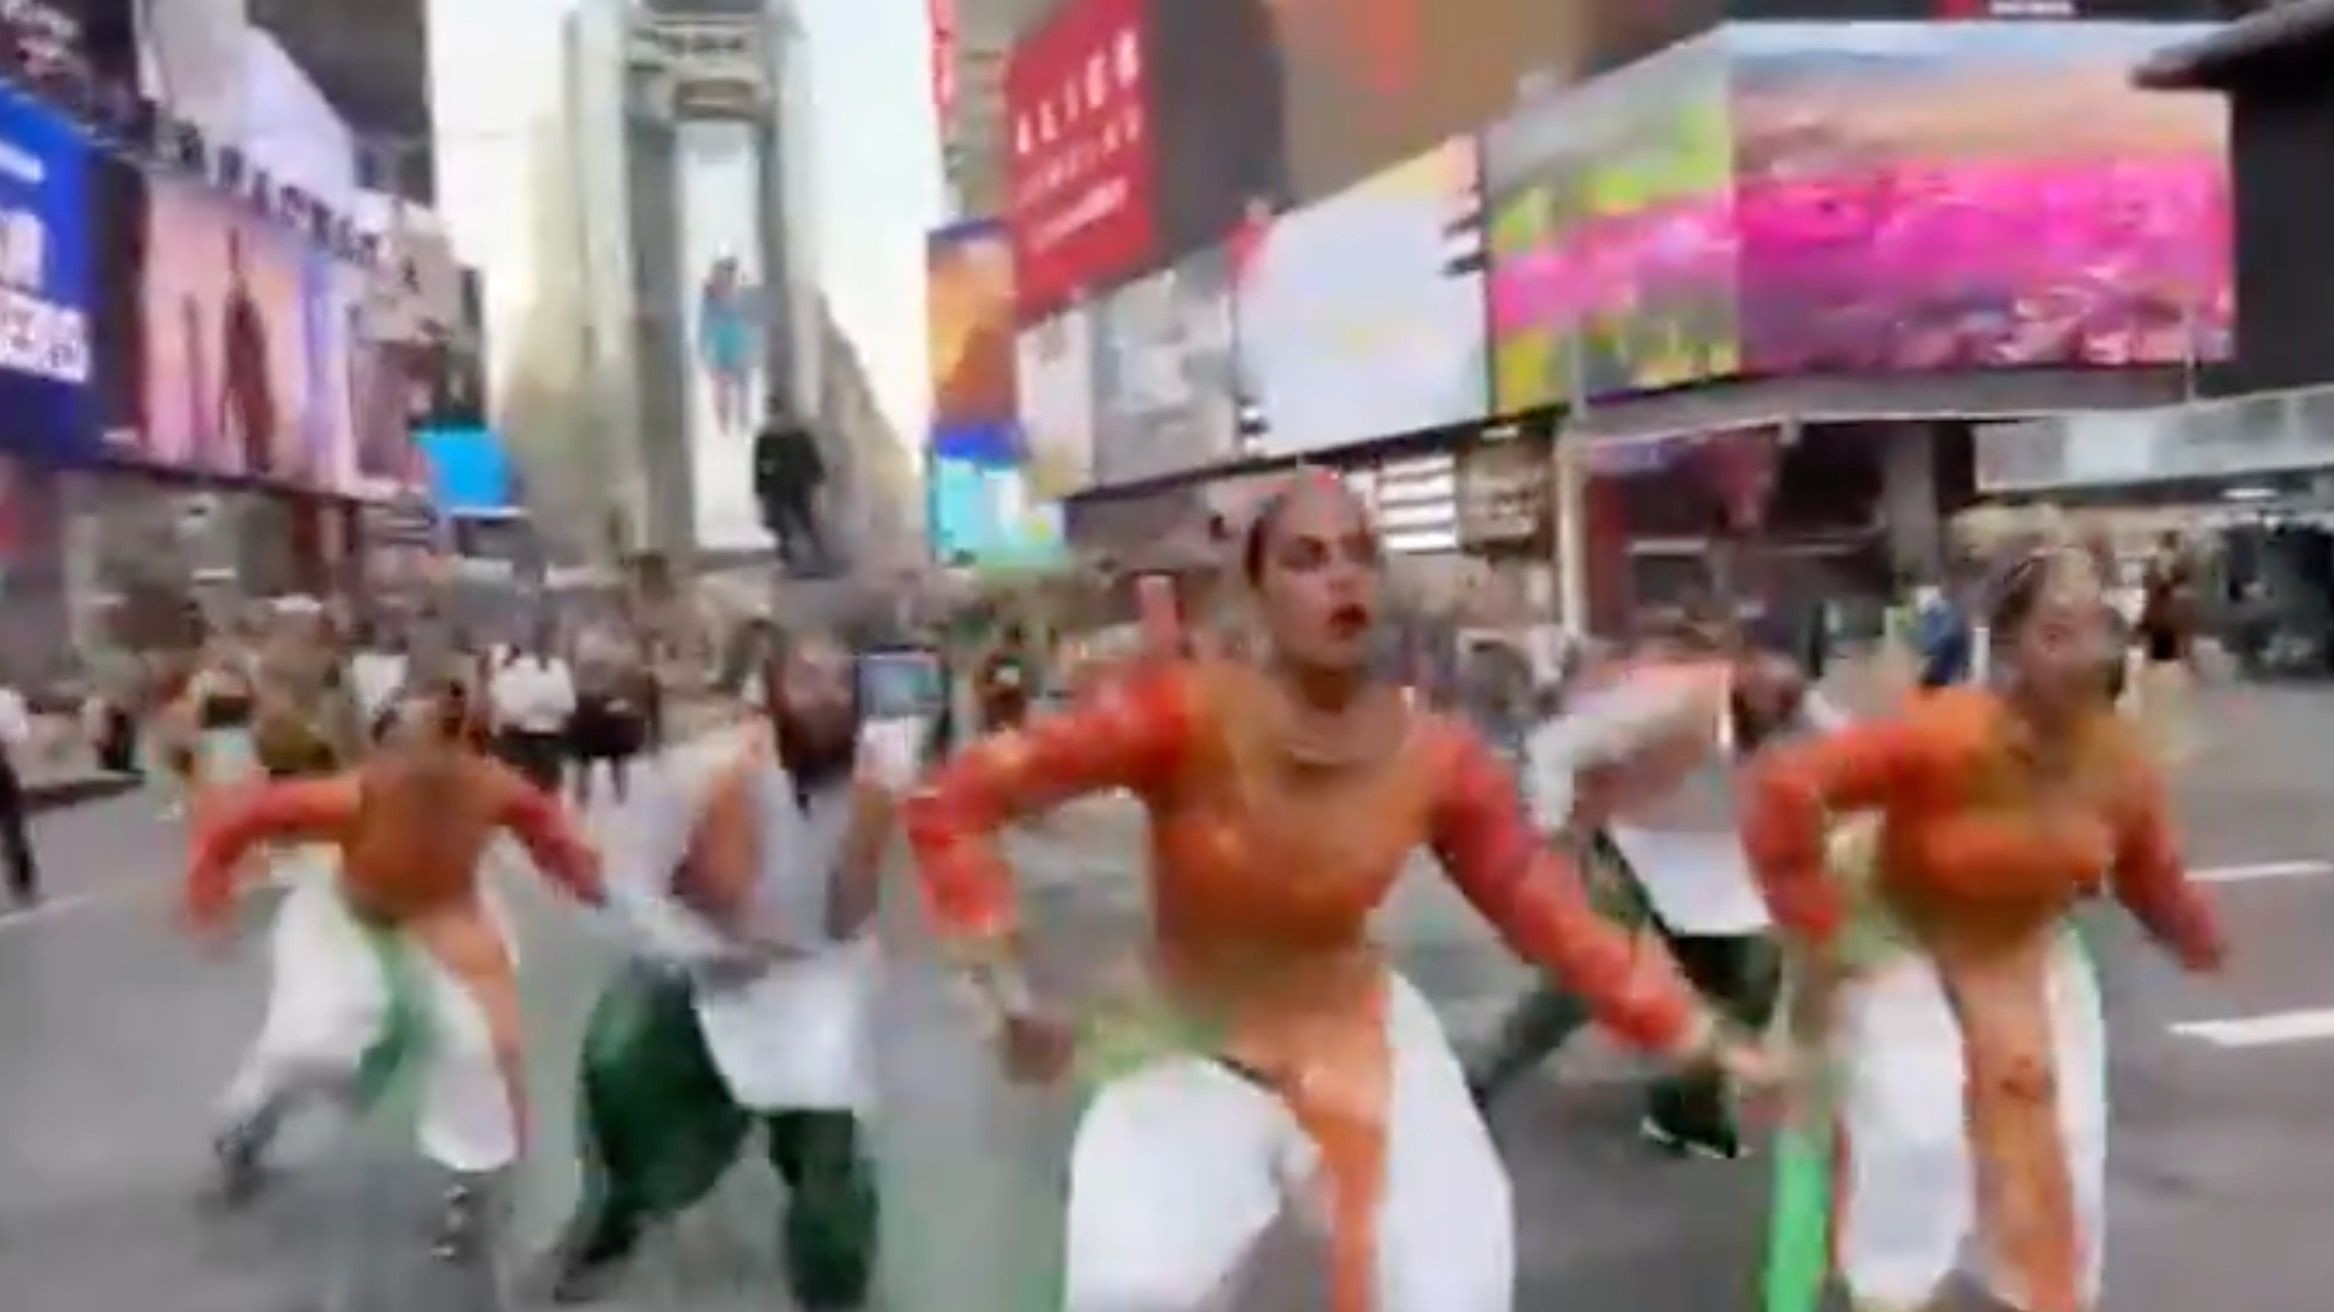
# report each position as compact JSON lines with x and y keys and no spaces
{"x":1740,"y":974}
{"x":664,"y":1128}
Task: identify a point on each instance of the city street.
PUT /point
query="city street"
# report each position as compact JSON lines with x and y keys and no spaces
{"x":116,"y":1035}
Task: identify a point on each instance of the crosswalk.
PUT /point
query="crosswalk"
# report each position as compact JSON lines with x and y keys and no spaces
{"x":2269,"y":892}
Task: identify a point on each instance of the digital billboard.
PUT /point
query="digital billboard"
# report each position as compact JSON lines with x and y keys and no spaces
{"x":1362,"y":316}
{"x":968,"y":278}
{"x":1054,"y":376}
{"x":46,"y":283}
{"x":227,"y":383}
{"x":720,"y":180}
{"x":1365,"y":83}
{"x":1078,"y":165}
{"x":1612,"y":241}
{"x":984,"y":515}
{"x":1903,"y":207}
{"x":1165,"y":386}
{"x":469,"y":472}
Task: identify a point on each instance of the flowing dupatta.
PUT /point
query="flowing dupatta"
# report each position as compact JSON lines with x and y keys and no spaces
{"x":1799,"y":1226}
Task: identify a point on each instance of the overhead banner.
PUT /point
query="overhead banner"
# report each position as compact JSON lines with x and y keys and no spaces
{"x":1899,"y":211}
{"x":1612,"y":243}
{"x":1054,"y":374}
{"x":1078,"y":153}
{"x":718,"y":168}
{"x":1363,"y":317}
{"x":46,"y":284}
{"x":711,"y":66}
{"x":1165,"y":383}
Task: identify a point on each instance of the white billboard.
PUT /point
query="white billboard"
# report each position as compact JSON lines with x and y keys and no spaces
{"x":1054,"y":374}
{"x":723,"y":312}
{"x":1362,"y":317}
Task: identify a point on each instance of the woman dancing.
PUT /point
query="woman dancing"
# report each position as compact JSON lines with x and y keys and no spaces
{"x":404,"y":953}
{"x":1284,"y":799}
{"x":1963,"y":1012}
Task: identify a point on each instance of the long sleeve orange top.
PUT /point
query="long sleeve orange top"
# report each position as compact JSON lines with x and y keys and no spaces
{"x":410,"y":837}
{"x":1962,"y":833}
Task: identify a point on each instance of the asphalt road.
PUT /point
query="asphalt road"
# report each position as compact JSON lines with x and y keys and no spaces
{"x":115,"y":1037}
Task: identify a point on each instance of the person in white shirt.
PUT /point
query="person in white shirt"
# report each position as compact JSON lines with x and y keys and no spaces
{"x":751,"y":881}
{"x":533,"y":695}
{"x":1639,"y":770}
{"x":15,"y":741}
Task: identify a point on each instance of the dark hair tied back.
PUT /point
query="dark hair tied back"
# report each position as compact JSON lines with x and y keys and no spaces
{"x":2017,"y":592}
{"x":1259,"y":537}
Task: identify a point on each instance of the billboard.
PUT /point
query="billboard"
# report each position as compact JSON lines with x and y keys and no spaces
{"x":1078,"y":152}
{"x":1899,"y":210}
{"x":1612,"y":241}
{"x":227,"y":381}
{"x":984,"y":515}
{"x":719,"y":175}
{"x":469,"y":472}
{"x":47,"y":282}
{"x":968,"y":272}
{"x":1362,"y":316}
{"x":1367,"y":82}
{"x":1219,"y":147}
{"x":1054,"y":376}
{"x":1165,"y":391}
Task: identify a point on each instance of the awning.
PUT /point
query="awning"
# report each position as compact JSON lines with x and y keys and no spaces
{"x":2287,"y":34}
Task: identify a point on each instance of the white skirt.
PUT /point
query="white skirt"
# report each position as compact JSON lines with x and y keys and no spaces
{"x":1181,"y":1167}
{"x":1907,"y":1210}
{"x":334,"y":1015}
{"x":800,"y":1036}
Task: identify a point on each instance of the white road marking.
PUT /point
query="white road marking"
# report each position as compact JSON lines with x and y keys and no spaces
{"x":2246,"y":874}
{"x":54,"y":907}
{"x":2271,"y":1030}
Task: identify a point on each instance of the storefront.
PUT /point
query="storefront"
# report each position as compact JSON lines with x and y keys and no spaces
{"x":1757,"y":517}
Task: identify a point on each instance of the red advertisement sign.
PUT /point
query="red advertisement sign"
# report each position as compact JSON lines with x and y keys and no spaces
{"x":942,"y":15}
{"x":1079,"y":156}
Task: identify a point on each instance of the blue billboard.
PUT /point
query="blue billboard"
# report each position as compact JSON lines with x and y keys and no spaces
{"x":45,"y":284}
{"x":469,"y":471}
{"x":981,"y":515}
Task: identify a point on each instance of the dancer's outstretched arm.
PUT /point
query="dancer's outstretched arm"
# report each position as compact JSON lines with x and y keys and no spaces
{"x":543,"y":827}
{"x":305,"y":810}
{"x":1129,"y":733}
{"x":1533,"y":895}
{"x":2152,"y":882}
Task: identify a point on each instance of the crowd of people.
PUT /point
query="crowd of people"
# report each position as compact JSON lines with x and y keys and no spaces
{"x":1679,"y":826}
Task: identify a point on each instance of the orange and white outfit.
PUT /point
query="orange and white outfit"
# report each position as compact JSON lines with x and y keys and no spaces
{"x":1303,"y":1069}
{"x":1967,"y":1028}
{"x":404,"y":945}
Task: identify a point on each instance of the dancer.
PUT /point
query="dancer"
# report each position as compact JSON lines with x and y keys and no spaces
{"x":1640,"y":773}
{"x":404,"y":945}
{"x":1284,"y":800}
{"x":756,"y":877}
{"x":1963,"y":1012}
